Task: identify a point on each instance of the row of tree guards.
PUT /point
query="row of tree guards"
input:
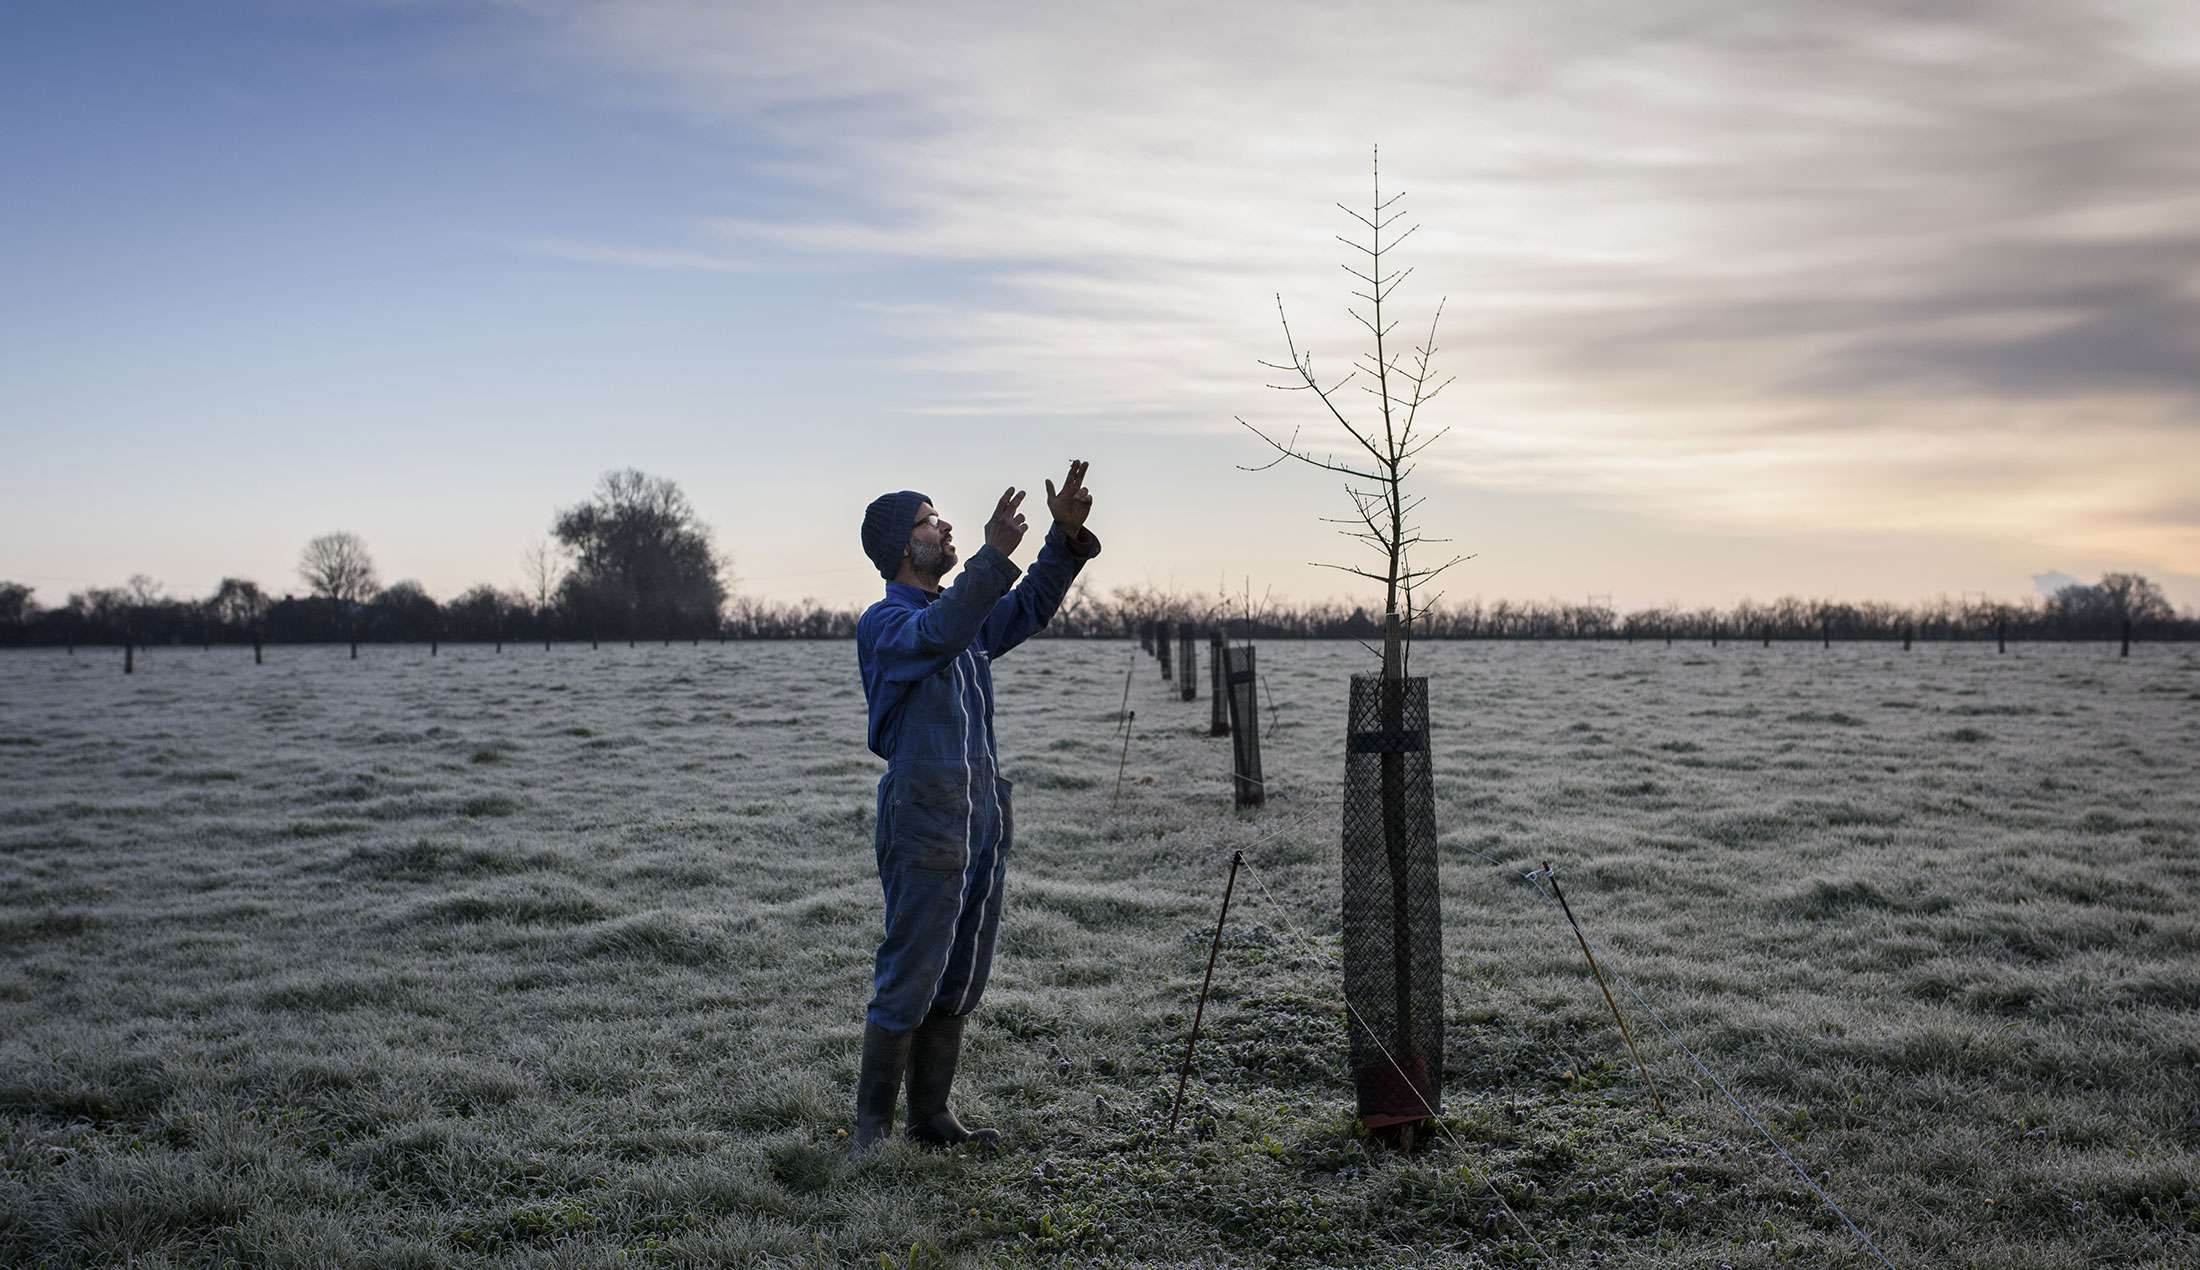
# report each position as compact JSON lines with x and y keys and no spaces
{"x":1393,"y":918}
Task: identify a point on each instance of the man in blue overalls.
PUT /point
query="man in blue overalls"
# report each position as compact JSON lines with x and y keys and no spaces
{"x":945,"y":823}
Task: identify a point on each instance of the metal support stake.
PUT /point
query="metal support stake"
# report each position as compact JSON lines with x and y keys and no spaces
{"x":1625,"y":1035}
{"x":1127,"y":722}
{"x":1176,"y":1109}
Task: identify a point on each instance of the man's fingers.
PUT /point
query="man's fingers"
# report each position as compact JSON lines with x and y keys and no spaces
{"x":1051,"y":495}
{"x":1017,"y":502}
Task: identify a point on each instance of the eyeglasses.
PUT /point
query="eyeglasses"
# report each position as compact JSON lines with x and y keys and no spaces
{"x":933,"y":520}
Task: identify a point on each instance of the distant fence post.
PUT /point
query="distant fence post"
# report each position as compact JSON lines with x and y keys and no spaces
{"x":1187,"y":657}
{"x":1767,"y":633}
{"x":1163,"y":638}
{"x":1825,"y":632}
{"x":1715,"y":634}
{"x":1907,"y":632}
{"x":2001,"y":635}
{"x":256,"y":646}
{"x":2127,"y":637}
{"x":129,"y":658}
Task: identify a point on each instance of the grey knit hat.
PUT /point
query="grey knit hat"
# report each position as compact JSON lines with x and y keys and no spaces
{"x":886,"y":525}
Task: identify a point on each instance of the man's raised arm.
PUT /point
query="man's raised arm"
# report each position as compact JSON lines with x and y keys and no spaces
{"x":1026,"y":610}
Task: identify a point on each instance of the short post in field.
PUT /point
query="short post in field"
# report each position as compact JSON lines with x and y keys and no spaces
{"x":2127,"y":637}
{"x":1164,"y":639}
{"x":129,"y":657}
{"x":1825,"y":632}
{"x":1907,"y":632}
{"x":1187,"y":663}
{"x":2001,"y":635}
{"x":1176,"y":1108}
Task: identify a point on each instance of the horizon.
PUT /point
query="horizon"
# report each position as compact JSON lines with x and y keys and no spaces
{"x":1841,"y":304}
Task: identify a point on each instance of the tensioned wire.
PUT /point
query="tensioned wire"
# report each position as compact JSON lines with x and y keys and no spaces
{"x":1529,"y":879}
{"x":1467,"y":1159}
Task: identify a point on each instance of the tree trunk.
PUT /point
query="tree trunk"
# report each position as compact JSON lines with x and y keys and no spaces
{"x":1394,"y":847}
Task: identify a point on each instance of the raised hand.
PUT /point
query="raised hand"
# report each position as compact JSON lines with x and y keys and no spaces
{"x":1006,"y":529}
{"x":1073,"y":503}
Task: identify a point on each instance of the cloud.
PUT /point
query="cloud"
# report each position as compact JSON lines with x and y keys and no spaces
{"x":1854,"y":266}
{"x":2048,"y":583}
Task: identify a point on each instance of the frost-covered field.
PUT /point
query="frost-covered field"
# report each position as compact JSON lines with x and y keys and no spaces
{"x":559,"y":958}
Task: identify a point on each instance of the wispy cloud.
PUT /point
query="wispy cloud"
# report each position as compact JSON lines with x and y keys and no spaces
{"x":1854,"y":266}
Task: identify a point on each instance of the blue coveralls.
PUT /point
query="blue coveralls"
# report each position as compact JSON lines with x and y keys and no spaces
{"x":945,"y":820}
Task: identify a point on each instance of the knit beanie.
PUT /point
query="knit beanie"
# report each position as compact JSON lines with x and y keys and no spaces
{"x":886,"y":525}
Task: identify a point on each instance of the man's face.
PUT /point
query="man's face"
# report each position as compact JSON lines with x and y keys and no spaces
{"x":931,"y":543}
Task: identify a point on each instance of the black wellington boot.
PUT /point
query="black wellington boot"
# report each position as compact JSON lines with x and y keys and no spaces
{"x":878,"y":1084}
{"x":932,"y":1058}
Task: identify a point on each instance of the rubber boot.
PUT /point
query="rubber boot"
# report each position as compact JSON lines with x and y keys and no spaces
{"x":932,"y":1058}
{"x":878,"y":1084}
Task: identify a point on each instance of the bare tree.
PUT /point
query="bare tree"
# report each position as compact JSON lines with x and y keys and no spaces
{"x":1375,"y":468}
{"x":336,"y":567}
{"x":542,"y":574}
{"x":1376,"y":471}
{"x":541,"y":570}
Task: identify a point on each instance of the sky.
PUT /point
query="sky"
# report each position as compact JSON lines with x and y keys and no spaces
{"x":1867,"y":300}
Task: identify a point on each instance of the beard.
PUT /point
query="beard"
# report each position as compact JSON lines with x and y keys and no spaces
{"x":931,"y":559}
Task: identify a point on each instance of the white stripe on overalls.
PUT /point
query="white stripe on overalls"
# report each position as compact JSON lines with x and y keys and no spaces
{"x":970,"y":811}
{"x":993,"y":754}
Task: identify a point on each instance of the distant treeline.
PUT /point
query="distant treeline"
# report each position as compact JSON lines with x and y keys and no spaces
{"x":633,"y":561}
{"x":240,"y":612}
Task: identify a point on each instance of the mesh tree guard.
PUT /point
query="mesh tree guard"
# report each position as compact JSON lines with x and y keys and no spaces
{"x":1217,"y":691}
{"x":1393,"y":932}
{"x":1145,"y":638}
{"x":1163,"y":639}
{"x":1187,"y":663}
{"x":1244,"y":686}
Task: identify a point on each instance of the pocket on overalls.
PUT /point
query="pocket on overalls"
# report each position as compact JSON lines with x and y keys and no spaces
{"x":931,"y":828}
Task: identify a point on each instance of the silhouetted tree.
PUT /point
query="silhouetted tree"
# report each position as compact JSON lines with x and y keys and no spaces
{"x":403,"y":611}
{"x":642,"y":559}
{"x":336,"y":567}
{"x":238,"y":604}
{"x":17,"y":611}
{"x":482,"y":613}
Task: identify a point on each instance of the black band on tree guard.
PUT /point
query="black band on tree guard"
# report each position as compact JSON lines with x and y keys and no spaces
{"x":1408,"y":742}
